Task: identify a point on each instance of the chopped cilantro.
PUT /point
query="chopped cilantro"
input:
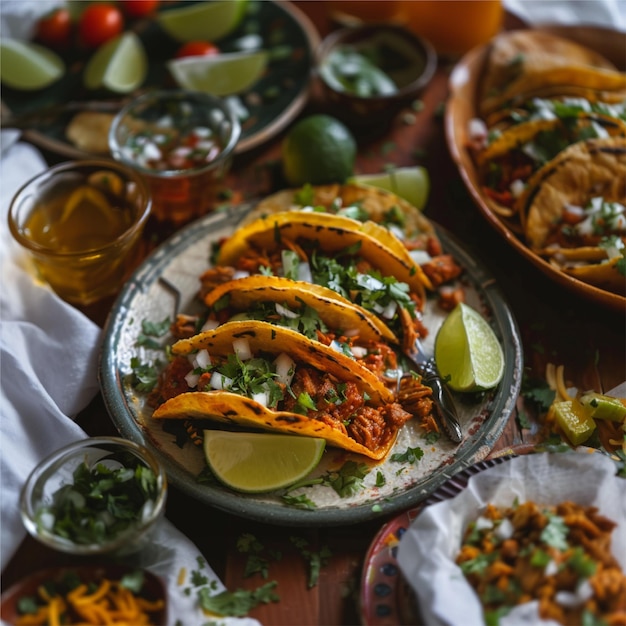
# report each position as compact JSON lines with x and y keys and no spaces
{"x":237,"y":603}
{"x":316,"y":560}
{"x":410,"y":455}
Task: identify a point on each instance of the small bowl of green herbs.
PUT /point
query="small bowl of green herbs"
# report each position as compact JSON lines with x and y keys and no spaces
{"x":373,"y":70}
{"x":100,"y":495}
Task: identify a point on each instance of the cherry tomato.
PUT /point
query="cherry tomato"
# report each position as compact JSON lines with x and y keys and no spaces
{"x":197,"y":49}
{"x":138,"y":8}
{"x":55,"y":29}
{"x":98,"y":23}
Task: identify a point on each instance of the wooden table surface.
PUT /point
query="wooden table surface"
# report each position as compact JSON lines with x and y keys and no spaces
{"x":556,"y":326}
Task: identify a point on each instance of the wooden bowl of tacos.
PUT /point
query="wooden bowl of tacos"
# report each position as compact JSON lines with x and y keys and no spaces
{"x":536,"y":124}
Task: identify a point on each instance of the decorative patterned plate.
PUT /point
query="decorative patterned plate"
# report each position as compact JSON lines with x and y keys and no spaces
{"x":386,"y":599}
{"x":180,"y":261}
{"x":274,"y":101}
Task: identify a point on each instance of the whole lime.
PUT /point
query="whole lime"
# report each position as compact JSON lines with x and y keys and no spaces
{"x":318,"y":149}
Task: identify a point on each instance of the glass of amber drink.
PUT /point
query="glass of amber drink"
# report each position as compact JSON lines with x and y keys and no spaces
{"x":81,"y":222}
{"x":182,"y":143}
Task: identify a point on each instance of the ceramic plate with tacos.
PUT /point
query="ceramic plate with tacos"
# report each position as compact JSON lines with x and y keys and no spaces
{"x":195,"y":326}
{"x":538,"y":97}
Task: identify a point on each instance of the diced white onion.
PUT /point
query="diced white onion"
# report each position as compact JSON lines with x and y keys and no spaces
{"x":477,"y":131}
{"x":351,"y":332}
{"x":210,"y":324}
{"x":517,"y":188}
{"x":203,"y":358}
{"x":369,"y":282}
{"x":304,"y":273}
{"x":505,"y":529}
{"x":390,"y":310}
{"x":260,"y":397}
{"x":551,"y":568}
{"x":151,"y":151}
{"x":420,"y":256}
{"x":219,"y":381}
{"x":285,"y":312}
{"x":240,"y":274}
{"x":335,"y":345}
{"x":242,"y":349}
{"x":285,"y":368}
{"x":359,"y":352}
{"x":397,"y":231}
{"x":483,"y":523}
{"x":192,"y":379}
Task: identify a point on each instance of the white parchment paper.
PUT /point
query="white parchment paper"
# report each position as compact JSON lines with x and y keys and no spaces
{"x":427,"y":550}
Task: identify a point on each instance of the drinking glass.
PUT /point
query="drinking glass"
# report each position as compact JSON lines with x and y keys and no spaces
{"x":81,"y":222}
{"x":182,"y":143}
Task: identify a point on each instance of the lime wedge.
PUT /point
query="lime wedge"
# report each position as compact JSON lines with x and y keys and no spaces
{"x":410,"y":183}
{"x":208,"y":21}
{"x":259,"y":462}
{"x":28,"y":66}
{"x":467,"y":351}
{"x":220,"y":75}
{"x":120,"y":65}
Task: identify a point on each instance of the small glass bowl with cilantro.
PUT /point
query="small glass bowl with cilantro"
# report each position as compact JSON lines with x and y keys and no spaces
{"x":100,"y":495}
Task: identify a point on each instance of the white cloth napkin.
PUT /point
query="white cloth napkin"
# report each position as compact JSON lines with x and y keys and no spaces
{"x":48,"y":373}
{"x":608,"y":13}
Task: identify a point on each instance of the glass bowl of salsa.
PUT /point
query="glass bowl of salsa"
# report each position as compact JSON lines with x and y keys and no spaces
{"x":96,"y":496}
{"x":182,"y":143}
{"x":370,"y":71}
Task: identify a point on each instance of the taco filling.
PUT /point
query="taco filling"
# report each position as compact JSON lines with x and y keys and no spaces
{"x":510,"y":161}
{"x":253,"y":374}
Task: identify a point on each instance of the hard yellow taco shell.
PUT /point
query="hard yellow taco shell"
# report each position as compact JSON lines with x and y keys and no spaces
{"x":334,"y":310}
{"x":332,"y":233}
{"x":233,"y":409}
{"x":265,"y":337}
{"x":519,"y":62}
{"x":587,"y":169}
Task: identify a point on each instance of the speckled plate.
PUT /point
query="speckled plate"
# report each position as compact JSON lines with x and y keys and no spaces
{"x":180,"y":261}
{"x":274,"y":101}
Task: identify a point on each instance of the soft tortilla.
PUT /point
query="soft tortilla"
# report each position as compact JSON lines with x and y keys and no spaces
{"x":519,"y":62}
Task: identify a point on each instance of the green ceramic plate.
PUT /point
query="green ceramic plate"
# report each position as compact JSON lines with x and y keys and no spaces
{"x":270,"y":104}
{"x":180,"y":261}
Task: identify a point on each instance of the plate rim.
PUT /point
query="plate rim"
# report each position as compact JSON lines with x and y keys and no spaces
{"x":472,"y":62}
{"x":311,"y":35}
{"x":502,"y":404}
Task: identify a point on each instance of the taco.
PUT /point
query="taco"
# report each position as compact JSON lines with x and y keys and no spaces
{"x":311,"y":309}
{"x":361,"y":202}
{"x":561,"y":106}
{"x":520,"y":62}
{"x":335,"y":252}
{"x":575,"y":211}
{"x":263,"y":376}
{"x":510,"y":160}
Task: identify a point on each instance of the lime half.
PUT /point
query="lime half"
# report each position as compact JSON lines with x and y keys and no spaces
{"x":120,"y":65}
{"x":259,"y":462}
{"x":208,"y":21}
{"x":28,"y":66}
{"x":467,"y":351}
{"x":410,"y":183}
{"x":220,"y":75}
